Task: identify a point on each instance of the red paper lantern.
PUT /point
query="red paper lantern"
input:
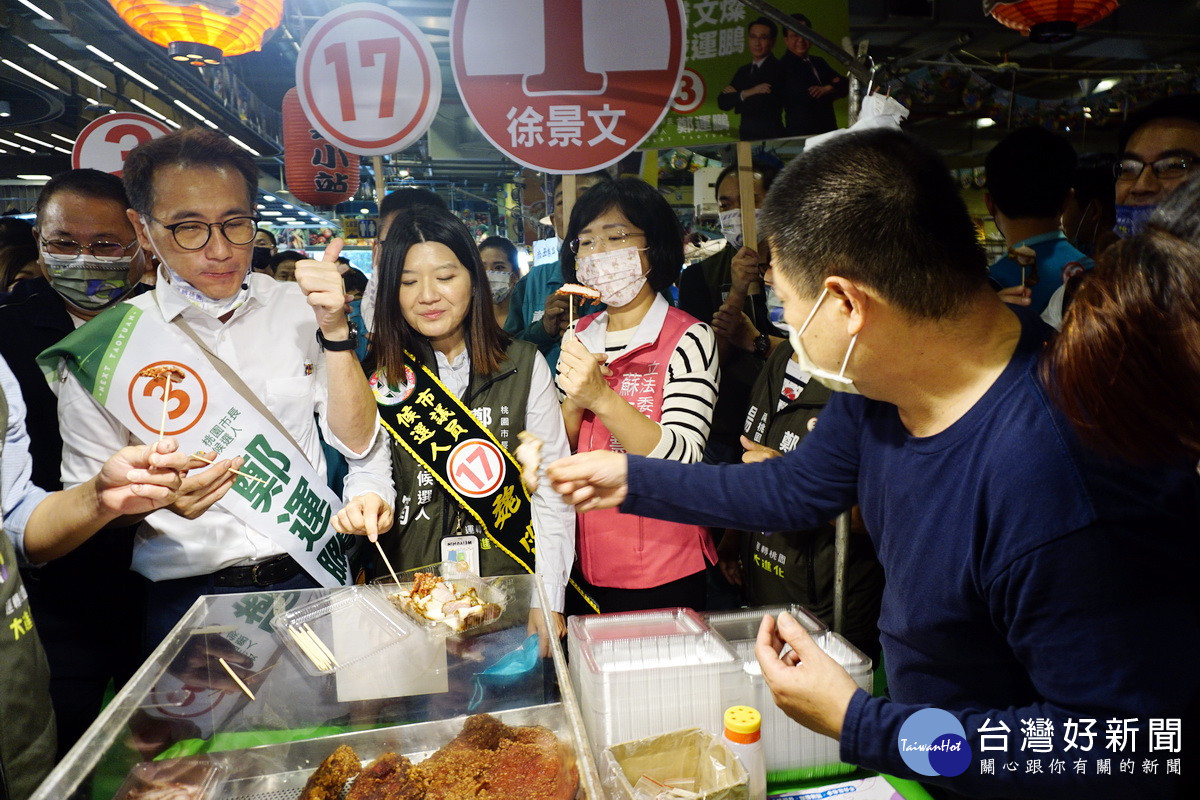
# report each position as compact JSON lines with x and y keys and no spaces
{"x":1049,"y":20}
{"x":317,"y":171}
{"x":205,"y":31}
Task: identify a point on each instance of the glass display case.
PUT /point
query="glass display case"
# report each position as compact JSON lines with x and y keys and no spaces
{"x":250,"y":692}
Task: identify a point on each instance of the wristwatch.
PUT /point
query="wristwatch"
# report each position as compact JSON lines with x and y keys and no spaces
{"x":762,"y":345}
{"x":349,"y":343}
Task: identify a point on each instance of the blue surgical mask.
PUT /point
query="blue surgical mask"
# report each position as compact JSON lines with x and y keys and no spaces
{"x":1131,"y":220}
{"x":836,"y":381}
{"x":510,"y":667}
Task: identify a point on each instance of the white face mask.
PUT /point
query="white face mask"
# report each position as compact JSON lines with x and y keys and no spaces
{"x":500,"y":282}
{"x":214,"y":308}
{"x":837,"y":381}
{"x":617,"y":275}
{"x":731,"y":225}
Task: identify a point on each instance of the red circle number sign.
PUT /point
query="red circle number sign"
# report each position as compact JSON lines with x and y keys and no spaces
{"x":105,"y":142}
{"x":368,"y":79}
{"x":476,"y":467}
{"x":567,"y":85}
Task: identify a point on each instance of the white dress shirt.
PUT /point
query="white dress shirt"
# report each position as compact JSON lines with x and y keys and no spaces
{"x":553,"y":519}
{"x":270,"y":342}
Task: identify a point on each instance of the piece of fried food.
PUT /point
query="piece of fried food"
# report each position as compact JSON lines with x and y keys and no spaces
{"x":389,"y":777}
{"x":327,"y":780}
{"x":529,"y":456}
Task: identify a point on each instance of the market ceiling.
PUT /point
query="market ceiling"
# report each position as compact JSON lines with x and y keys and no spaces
{"x":65,"y":63}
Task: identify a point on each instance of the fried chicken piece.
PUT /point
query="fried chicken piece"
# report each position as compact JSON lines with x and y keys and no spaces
{"x":579,"y":290}
{"x":163,"y":371}
{"x":389,"y":777}
{"x":327,"y":780}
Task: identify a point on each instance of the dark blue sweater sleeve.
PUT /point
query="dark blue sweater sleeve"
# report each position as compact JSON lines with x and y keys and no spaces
{"x":802,"y":489}
{"x":1070,"y":611}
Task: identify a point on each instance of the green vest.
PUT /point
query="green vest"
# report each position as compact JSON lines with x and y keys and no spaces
{"x":798,"y":566}
{"x":27,"y":739}
{"x":425,"y":513}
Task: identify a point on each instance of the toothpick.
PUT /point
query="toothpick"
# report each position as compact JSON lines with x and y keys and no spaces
{"x":386,"y":563}
{"x":321,"y":645}
{"x":570,"y":318}
{"x":236,"y":679}
{"x":309,"y":649}
{"x":247,"y":476}
{"x":162,"y":427}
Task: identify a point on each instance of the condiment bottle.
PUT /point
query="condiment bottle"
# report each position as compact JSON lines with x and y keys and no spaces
{"x":743,"y":736}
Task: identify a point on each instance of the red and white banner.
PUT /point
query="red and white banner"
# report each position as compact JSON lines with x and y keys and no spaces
{"x":368,"y":79}
{"x":567,"y":85}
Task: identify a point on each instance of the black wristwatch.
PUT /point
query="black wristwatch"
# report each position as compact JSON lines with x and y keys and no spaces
{"x":762,"y":345}
{"x":349,"y":343}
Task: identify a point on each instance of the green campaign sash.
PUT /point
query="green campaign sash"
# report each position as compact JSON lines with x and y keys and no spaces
{"x":462,"y":455}
{"x":291,"y":503}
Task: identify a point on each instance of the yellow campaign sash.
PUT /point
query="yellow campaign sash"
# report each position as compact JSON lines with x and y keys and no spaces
{"x":462,"y":455}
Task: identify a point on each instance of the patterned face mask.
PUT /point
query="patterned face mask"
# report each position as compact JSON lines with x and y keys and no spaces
{"x":618,"y":275}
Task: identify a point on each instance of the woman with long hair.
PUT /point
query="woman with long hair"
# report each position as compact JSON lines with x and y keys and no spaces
{"x":453,"y":392}
{"x":640,"y":377}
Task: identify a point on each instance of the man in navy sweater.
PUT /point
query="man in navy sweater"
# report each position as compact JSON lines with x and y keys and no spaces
{"x":1041,"y":597}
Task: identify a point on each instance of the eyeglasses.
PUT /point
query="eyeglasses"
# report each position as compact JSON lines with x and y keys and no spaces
{"x":612,"y":240}
{"x":1169,"y":168}
{"x":64,"y":247}
{"x":195,"y":235}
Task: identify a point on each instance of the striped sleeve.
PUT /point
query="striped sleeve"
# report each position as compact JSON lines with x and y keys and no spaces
{"x":689,"y":396}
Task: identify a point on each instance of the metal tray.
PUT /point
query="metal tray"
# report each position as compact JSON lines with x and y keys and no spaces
{"x":279,"y":771}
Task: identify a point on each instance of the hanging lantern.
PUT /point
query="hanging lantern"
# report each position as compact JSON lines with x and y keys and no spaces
{"x":200,"y":32}
{"x":1048,"y":20}
{"x":317,"y":171}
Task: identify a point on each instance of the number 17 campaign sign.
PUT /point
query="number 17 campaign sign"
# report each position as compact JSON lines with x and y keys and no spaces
{"x":368,"y":79}
{"x":567,"y":85}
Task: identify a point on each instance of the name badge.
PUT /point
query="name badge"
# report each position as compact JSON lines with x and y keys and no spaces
{"x":462,"y":549}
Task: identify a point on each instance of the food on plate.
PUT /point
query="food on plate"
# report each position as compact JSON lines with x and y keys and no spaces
{"x":328,"y":780}
{"x":389,"y":777}
{"x":488,"y":760}
{"x":579,"y":290}
{"x":174,"y":374}
{"x":432,"y":597}
{"x":529,"y":456}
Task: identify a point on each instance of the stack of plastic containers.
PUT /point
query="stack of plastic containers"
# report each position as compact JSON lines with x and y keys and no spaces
{"x":792,"y":751}
{"x":641,"y":674}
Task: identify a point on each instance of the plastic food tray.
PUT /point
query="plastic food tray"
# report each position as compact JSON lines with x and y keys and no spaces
{"x":453,"y":573}
{"x":642,"y":674}
{"x":196,"y":779}
{"x":354,"y":624}
{"x":792,"y":751}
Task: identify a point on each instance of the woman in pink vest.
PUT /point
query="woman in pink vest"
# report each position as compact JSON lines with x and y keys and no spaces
{"x":640,"y":377}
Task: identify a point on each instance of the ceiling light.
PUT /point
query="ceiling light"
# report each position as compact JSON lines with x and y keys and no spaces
{"x":285,"y":205}
{"x":34,"y":8}
{"x":272,"y":213}
{"x":1105,"y":85}
{"x":5,"y":109}
{"x":268,"y":198}
{"x":244,"y":146}
{"x":984,"y":122}
{"x":29,"y":74}
{"x":31,"y":139}
{"x":189,"y":110}
{"x":172,"y":123}
{"x":364,"y":211}
{"x":44,"y":53}
{"x":100,"y":53}
{"x":34,"y":177}
{"x":83,"y":75}
{"x":135,"y":76}
{"x":63,"y":139}
{"x":147,"y":109}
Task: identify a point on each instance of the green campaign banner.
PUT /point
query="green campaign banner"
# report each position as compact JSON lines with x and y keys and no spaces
{"x":740,"y":83}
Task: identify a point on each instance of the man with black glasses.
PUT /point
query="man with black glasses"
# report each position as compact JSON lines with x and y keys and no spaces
{"x":236,"y":366}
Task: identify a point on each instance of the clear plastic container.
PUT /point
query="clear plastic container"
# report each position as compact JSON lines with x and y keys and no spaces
{"x":346,"y":627}
{"x":454,"y":573}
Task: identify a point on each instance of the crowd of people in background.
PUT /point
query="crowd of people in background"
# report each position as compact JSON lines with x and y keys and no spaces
{"x":860,"y":358}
